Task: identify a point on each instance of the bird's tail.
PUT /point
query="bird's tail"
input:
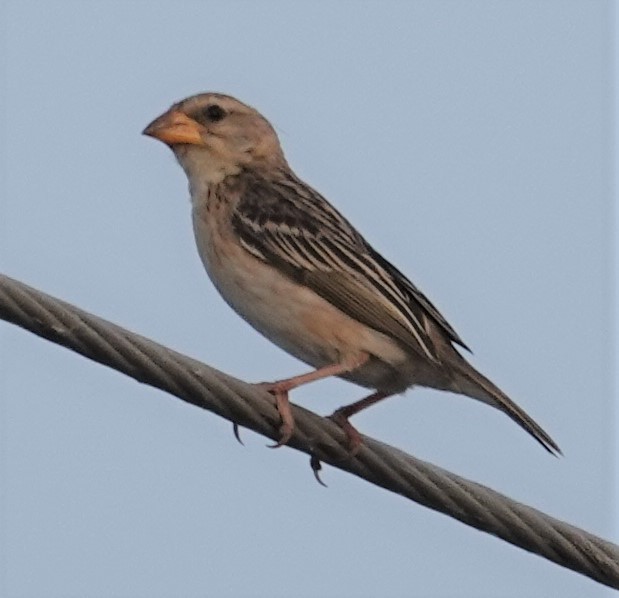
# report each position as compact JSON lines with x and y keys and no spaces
{"x":470,"y":382}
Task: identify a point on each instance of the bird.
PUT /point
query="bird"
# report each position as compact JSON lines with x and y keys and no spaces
{"x":290,"y":264}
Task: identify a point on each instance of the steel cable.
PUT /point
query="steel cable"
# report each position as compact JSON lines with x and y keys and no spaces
{"x":251,"y":407}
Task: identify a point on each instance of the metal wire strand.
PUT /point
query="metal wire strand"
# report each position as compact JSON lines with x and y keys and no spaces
{"x":251,"y":407}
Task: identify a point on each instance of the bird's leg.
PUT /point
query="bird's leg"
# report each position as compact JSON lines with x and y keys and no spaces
{"x":340,"y":417}
{"x":280,"y":389}
{"x":353,"y":438}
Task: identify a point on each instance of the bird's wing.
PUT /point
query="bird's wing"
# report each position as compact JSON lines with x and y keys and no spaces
{"x":291,"y":226}
{"x":416,"y":295}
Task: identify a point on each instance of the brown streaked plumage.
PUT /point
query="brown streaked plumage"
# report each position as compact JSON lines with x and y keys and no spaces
{"x":294,"y":268}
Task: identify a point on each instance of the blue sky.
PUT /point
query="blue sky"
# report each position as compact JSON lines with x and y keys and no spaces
{"x":470,"y":142}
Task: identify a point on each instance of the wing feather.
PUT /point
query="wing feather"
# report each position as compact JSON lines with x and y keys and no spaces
{"x":290,"y":225}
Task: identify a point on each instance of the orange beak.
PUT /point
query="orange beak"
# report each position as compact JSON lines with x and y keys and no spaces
{"x":174,"y":127}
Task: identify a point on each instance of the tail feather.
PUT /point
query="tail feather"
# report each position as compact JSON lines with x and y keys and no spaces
{"x":470,"y":382}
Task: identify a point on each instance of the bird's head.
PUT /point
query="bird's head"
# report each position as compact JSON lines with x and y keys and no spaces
{"x":214,"y":136}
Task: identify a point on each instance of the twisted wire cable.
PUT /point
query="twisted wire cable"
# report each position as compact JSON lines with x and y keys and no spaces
{"x":249,"y":406}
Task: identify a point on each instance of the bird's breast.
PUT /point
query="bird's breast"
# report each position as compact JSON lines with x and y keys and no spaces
{"x":289,"y":314}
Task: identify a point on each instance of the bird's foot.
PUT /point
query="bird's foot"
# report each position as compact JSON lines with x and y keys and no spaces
{"x":353,"y":441}
{"x":353,"y":438}
{"x":280,"y":392}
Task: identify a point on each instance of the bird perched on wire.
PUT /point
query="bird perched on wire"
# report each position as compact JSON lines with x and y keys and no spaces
{"x":296,"y":270}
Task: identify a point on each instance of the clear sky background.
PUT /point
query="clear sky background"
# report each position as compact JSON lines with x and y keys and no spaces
{"x":470,"y":142}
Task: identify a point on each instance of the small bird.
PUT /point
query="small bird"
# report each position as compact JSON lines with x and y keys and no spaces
{"x":296,"y":270}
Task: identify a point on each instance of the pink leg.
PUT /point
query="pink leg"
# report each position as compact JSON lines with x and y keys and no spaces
{"x":281,"y":388}
{"x":340,"y":417}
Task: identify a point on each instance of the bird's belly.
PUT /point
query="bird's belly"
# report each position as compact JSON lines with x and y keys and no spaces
{"x":296,"y":318}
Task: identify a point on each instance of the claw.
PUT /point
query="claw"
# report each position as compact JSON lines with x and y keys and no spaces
{"x":285,"y":431}
{"x":237,"y":435}
{"x":316,"y":467}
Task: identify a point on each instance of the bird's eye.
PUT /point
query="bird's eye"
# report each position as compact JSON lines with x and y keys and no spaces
{"x":214,"y":113}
